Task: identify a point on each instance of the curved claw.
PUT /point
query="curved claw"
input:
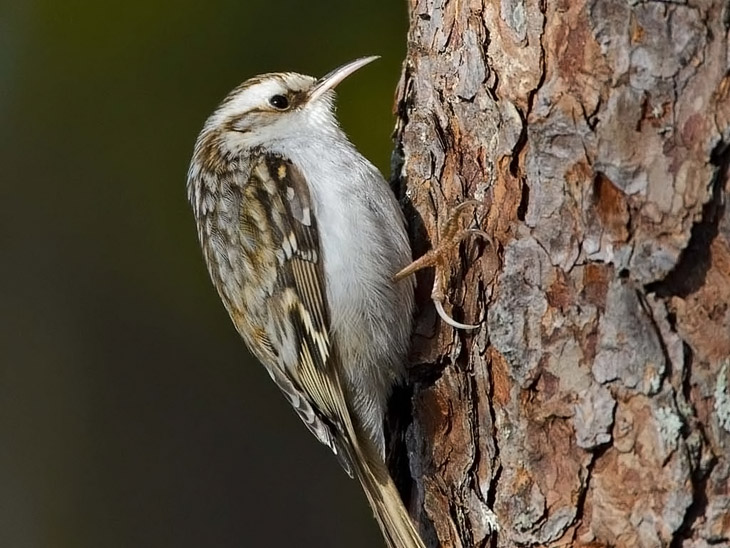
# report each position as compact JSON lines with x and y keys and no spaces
{"x":479,"y":232}
{"x":437,"y":294}
{"x":449,"y":237}
{"x":448,"y":319}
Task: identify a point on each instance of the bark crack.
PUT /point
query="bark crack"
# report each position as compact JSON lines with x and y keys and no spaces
{"x":580,"y":505}
{"x":688,"y":275}
{"x":699,"y":478}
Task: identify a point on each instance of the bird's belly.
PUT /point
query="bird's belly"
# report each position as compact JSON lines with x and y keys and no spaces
{"x":370,"y":314}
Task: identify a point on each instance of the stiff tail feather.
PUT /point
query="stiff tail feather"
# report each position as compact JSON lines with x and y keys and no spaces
{"x":384,"y":498}
{"x":370,"y":469}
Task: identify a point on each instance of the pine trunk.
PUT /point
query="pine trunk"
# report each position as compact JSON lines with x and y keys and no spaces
{"x":592,"y":405}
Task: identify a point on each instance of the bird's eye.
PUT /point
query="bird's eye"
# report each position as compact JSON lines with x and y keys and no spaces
{"x":279,"y":102}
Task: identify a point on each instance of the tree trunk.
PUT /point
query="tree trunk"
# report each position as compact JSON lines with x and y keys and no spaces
{"x":592,"y":405}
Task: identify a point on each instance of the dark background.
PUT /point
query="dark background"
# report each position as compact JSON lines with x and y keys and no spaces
{"x":131,"y":414}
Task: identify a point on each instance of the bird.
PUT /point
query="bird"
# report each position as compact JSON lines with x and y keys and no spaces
{"x":303,"y":240}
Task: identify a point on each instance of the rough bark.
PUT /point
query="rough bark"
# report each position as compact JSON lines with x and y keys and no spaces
{"x":592,"y":405}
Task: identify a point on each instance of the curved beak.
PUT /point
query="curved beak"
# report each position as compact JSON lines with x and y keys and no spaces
{"x":336,"y":76}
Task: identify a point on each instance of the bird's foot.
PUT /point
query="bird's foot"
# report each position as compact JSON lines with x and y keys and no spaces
{"x":449,"y":237}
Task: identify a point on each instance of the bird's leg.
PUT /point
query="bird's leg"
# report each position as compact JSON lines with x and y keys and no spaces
{"x":450,"y":236}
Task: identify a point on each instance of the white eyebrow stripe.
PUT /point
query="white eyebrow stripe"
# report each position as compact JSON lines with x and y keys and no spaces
{"x":256,"y":92}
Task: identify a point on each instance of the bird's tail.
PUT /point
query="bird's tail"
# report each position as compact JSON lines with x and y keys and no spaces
{"x":390,"y":512}
{"x":370,"y":469}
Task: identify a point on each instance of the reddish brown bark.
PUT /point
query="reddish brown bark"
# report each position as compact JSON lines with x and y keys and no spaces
{"x":592,"y":406}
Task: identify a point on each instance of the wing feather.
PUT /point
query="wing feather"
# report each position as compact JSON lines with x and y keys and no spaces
{"x":302,"y":360}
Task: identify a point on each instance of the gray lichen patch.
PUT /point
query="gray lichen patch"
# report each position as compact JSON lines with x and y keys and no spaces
{"x":722,"y":397}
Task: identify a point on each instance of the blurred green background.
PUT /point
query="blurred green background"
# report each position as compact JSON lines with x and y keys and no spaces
{"x":131,"y":414}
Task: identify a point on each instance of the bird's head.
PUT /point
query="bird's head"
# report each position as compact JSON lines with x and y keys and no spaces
{"x":275,"y":107}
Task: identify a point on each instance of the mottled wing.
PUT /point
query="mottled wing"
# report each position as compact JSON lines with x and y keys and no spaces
{"x":297,"y":316}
